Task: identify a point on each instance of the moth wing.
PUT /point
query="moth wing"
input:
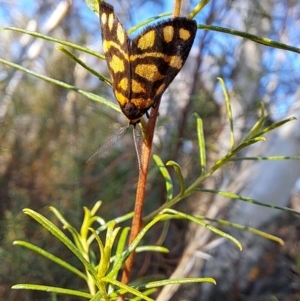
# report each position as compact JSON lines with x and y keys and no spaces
{"x":158,"y":54}
{"x":116,"y":50}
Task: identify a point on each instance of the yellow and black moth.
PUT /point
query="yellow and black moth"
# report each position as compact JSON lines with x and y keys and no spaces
{"x":142,"y":68}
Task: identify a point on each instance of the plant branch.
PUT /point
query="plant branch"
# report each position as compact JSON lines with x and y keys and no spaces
{"x":176,"y":8}
{"x":141,"y":188}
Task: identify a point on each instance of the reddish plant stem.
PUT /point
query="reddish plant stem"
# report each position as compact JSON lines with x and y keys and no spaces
{"x":176,"y":8}
{"x":141,"y":189}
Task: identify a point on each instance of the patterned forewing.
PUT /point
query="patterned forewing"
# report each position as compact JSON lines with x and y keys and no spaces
{"x":157,"y":55}
{"x":141,"y":69}
{"x":116,"y":50}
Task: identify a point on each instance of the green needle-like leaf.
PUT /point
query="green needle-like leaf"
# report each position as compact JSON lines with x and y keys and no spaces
{"x":93,"y":5}
{"x":233,"y":152}
{"x":249,"y":200}
{"x":51,"y":257}
{"x":201,"y":145}
{"x":166,"y":175}
{"x":91,"y":96}
{"x":85,"y":66}
{"x":180,"y":178}
{"x":62,"y":237}
{"x":229,"y":112}
{"x":197,"y":9}
{"x":249,"y":36}
{"x":143,"y":23}
{"x":65,"y":43}
{"x":276,"y":125}
{"x":127,"y":288}
{"x":70,"y":228}
{"x":179,"y":281}
{"x":52,"y":289}
{"x":180,"y":215}
{"x":152,"y":249}
{"x":268,"y":158}
{"x":246,"y":228}
{"x":117,"y":259}
{"x":256,"y":129}
{"x":96,"y":207}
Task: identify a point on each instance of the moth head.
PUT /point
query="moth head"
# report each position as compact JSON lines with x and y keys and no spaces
{"x":133,"y":113}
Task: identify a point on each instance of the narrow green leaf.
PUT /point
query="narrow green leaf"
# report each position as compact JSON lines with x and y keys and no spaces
{"x":142,"y":233}
{"x":127,"y":288}
{"x":99,"y":296}
{"x":229,"y":111}
{"x":141,"y":24}
{"x":248,"y":200}
{"x":62,"y":237}
{"x":269,"y":158}
{"x":93,"y":5}
{"x":96,"y":207}
{"x":197,"y":9}
{"x":91,"y":96}
{"x":122,"y":241}
{"x":257,"y":39}
{"x":117,"y":259}
{"x":51,"y":257}
{"x":180,"y":178}
{"x":245,"y":228}
{"x":276,"y":125}
{"x":109,"y":241}
{"x":233,"y":152}
{"x":181,"y":215}
{"x":201,"y":145}
{"x":179,"y":281}
{"x":85,"y":66}
{"x":152,"y":249}
{"x":70,"y":228}
{"x":52,"y":289}
{"x":84,"y":229}
{"x":118,"y":220}
{"x":162,"y":236}
{"x":256,"y":129}
{"x":145,"y":292}
{"x":163,"y":170}
{"x":65,"y":43}
{"x":103,"y":262}
{"x":111,"y":234}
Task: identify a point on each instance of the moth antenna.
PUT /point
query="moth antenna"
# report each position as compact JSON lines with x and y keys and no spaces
{"x":107,"y":145}
{"x":136,"y":141}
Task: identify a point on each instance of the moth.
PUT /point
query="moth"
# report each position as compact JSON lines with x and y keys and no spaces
{"x":142,"y":68}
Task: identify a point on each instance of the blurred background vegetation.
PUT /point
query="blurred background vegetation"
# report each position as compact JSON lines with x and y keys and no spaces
{"x":48,"y":133}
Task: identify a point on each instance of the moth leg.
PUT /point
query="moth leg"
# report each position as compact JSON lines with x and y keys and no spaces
{"x":148,"y":115}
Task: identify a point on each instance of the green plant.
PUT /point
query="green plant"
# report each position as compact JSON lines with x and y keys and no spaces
{"x":100,"y":272}
{"x":100,"y":275}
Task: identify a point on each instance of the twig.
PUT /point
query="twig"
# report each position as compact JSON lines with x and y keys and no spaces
{"x":141,"y":189}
